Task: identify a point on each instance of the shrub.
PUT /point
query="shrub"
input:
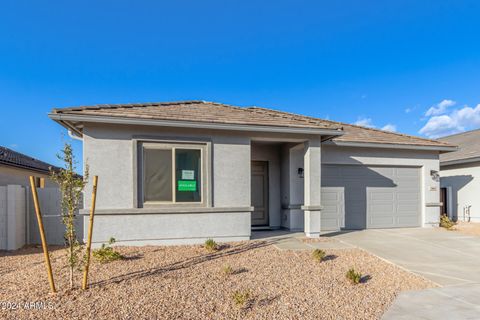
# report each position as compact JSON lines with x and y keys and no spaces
{"x":241,"y":298}
{"x":227,"y":270}
{"x":211,"y":245}
{"x":318,"y":255}
{"x":106,"y":253}
{"x":354,"y":276}
{"x":445,"y":222}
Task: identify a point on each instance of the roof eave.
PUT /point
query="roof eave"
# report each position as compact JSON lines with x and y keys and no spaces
{"x":459,"y":161}
{"x":20,"y":166}
{"x":66,"y":121}
{"x":392,"y":146}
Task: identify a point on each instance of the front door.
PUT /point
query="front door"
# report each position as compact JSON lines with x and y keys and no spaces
{"x":259,"y":193}
{"x":443,"y":200}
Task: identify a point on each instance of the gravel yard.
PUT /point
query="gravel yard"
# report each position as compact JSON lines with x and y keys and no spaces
{"x":186,"y":282}
{"x":470,"y":228}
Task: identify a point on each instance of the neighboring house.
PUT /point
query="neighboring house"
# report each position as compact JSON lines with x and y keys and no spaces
{"x":16,"y":168}
{"x":460,"y":177}
{"x":182,"y":172}
{"x":16,"y":226}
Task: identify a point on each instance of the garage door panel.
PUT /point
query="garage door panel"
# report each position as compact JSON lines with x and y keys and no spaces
{"x":382,"y":222}
{"x":407,"y":208}
{"x":330,"y":196}
{"x":382,"y":209}
{"x":378,"y":196}
{"x":333,"y":214}
{"x":407,"y":221}
{"x":382,"y":196}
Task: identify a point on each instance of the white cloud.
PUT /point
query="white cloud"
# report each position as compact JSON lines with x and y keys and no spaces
{"x":368,"y":123}
{"x":458,"y":120}
{"x":364,"y":122}
{"x":440,"y":108}
{"x":408,"y":110}
{"x":390,"y":127}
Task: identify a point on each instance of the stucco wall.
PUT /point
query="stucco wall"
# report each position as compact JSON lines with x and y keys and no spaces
{"x":292,"y":195}
{"x":464,"y":180}
{"x":18,"y":176}
{"x":426,"y":160}
{"x":110,"y":153}
{"x":271,"y":154}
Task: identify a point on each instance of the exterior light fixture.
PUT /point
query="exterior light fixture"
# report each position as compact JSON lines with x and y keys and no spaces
{"x":300,"y":172}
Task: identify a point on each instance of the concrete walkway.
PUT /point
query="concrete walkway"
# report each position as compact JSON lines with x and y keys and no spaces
{"x":284,"y":240}
{"x":452,"y":303}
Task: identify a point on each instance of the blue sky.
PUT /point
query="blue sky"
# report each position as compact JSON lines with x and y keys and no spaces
{"x":411,"y":65}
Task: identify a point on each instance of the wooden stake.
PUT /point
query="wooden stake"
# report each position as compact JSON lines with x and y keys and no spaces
{"x":42,"y":234}
{"x":90,"y":230}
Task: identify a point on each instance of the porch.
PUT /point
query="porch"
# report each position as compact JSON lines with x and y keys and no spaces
{"x":286,"y":185}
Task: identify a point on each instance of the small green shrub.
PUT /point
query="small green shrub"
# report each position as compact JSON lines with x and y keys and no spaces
{"x":318,"y":255}
{"x":211,"y":245}
{"x":445,"y":222}
{"x":241,"y":298}
{"x":106,"y":253}
{"x":354,"y":276}
{"x":227,"y":270}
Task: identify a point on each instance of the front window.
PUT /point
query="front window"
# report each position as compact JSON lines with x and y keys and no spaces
{"x":171,"y":173}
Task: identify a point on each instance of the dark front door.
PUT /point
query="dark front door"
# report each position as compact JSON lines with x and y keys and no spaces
{"x":259,"y":193}
{"x":443,"y":200}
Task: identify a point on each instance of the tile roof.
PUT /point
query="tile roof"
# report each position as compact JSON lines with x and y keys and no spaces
{"x":13,"y":158}
{"x":201,"y":111}
{"x":198,"y":111}
{"x":354,"y":133}
{"x":468,"y":146}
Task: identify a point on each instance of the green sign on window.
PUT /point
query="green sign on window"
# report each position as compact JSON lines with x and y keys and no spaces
{"x":187,"y":185}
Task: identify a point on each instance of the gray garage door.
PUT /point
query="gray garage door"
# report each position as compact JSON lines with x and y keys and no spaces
{"x":373,"y":197}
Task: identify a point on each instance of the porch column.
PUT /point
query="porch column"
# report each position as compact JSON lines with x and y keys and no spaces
{"x":312,"y":187}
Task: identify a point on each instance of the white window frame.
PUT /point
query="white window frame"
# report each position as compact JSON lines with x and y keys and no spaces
{"x":164,"y":145}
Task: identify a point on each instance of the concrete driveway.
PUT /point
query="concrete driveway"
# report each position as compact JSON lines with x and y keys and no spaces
{"x":445,"y":257}
{"x":448,"y":258}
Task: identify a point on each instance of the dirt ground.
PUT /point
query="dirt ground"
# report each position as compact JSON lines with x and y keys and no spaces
{"x":187,"y":282}
{"x":470,"y":228}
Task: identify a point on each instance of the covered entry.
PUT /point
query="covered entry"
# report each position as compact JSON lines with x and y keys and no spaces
{"x":365,"y":197}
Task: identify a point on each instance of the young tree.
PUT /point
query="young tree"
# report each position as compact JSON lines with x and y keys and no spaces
{"x":71,"y":186}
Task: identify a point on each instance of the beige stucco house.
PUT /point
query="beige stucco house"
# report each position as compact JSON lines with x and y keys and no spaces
{"x":16,"y":168}
{"x":182,"y":172}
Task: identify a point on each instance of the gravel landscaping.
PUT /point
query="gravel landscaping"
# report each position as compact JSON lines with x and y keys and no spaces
{"x":469,"y":228}
{"x":187,"y":282}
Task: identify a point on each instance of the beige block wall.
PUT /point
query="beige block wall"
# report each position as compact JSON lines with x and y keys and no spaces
{"x":19,"y":176}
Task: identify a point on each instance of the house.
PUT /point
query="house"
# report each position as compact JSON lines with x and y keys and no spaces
{"x":16,"y":226}
{"x":460,"y":177}
{"x":182,"y":172}
{"x":16,"y":168}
